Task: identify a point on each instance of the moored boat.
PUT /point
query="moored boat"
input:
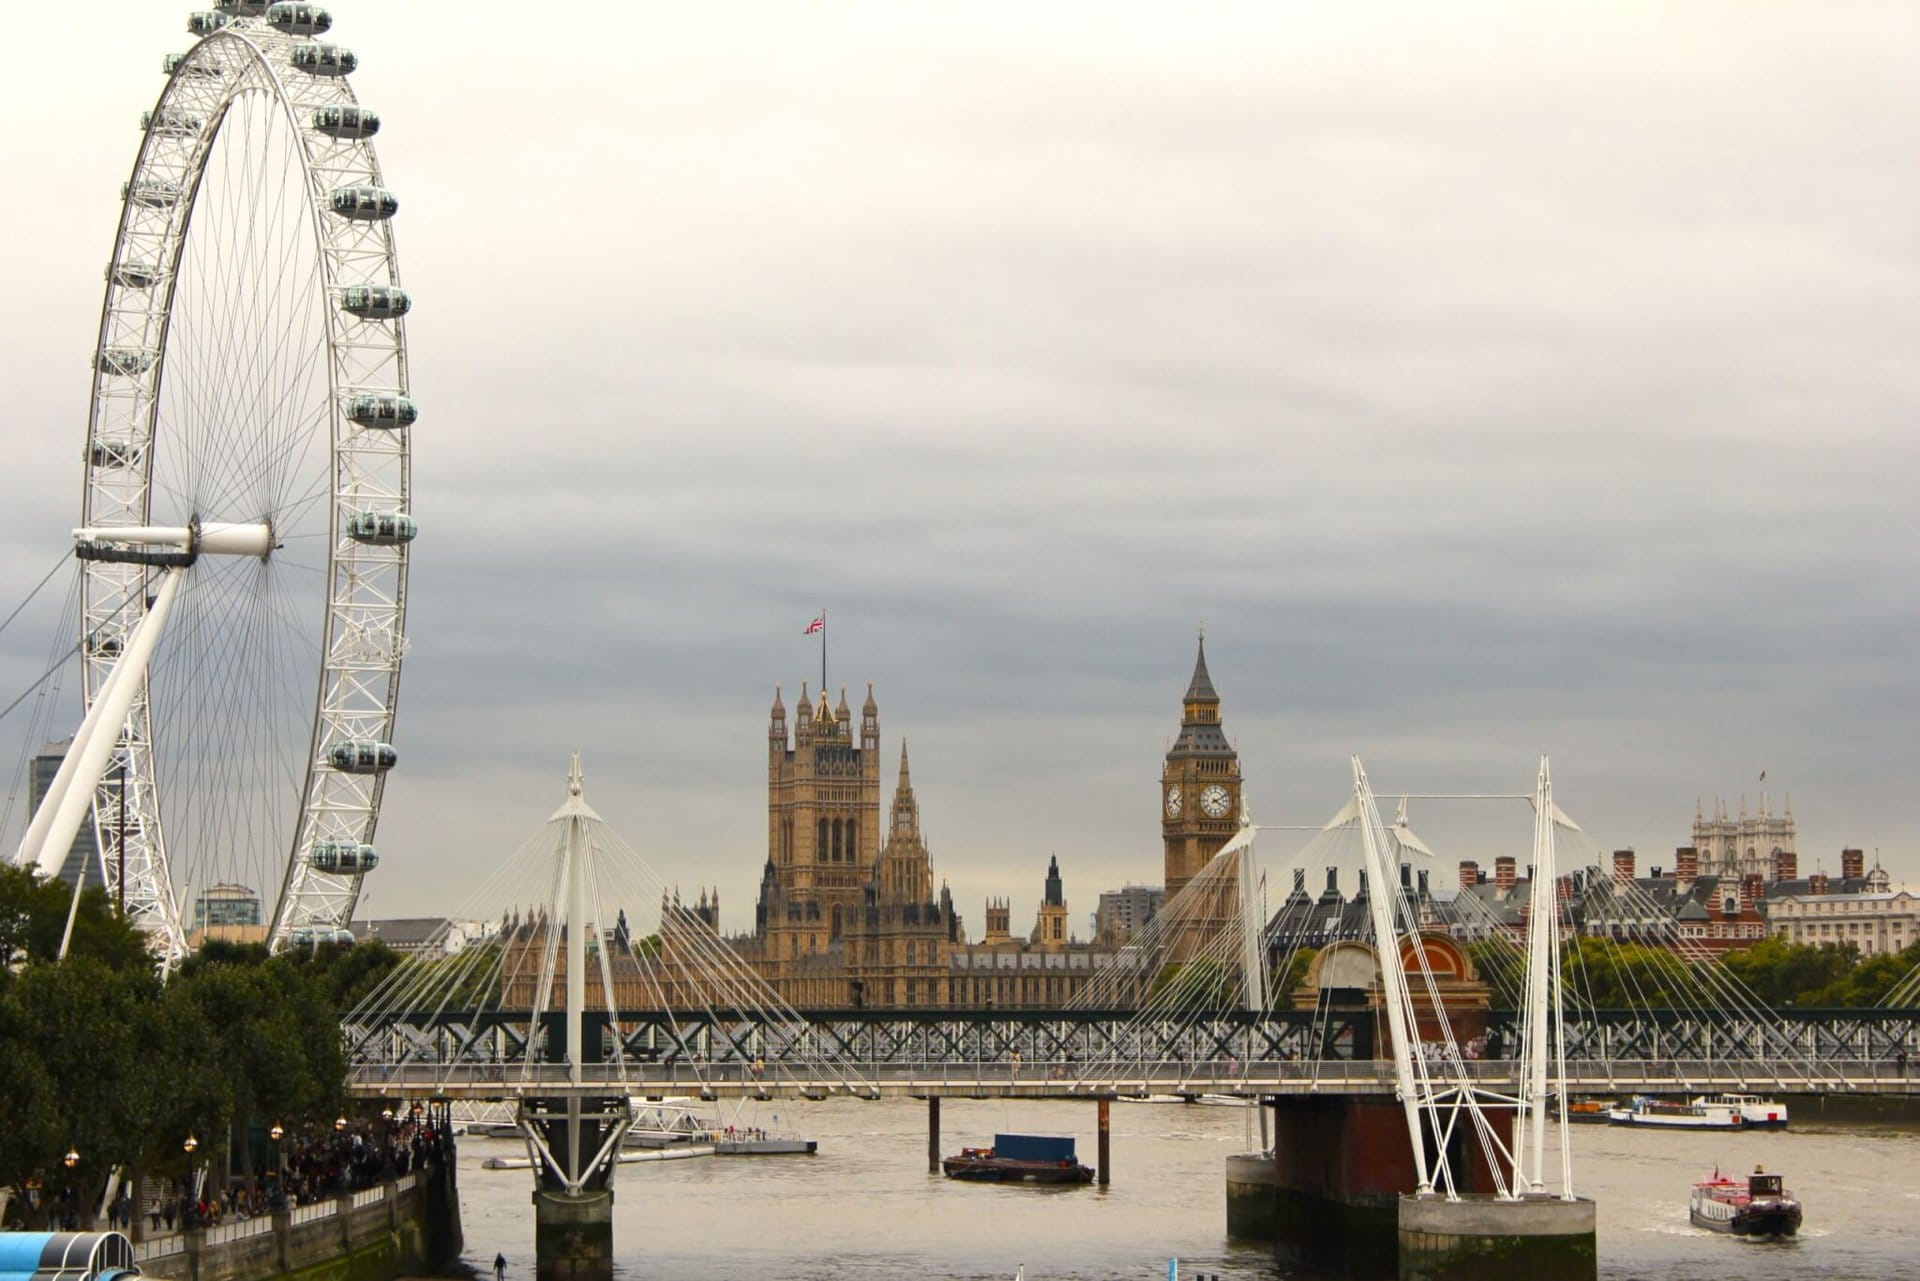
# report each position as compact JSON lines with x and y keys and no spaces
{"x":1759,"y":1206}
{"x":1663,"y":1114}
{"x":1705,"y":1112}
{"x":1590,"y":1111}
{"x":1755,"y":1113}
{"x":1020,"y":1158}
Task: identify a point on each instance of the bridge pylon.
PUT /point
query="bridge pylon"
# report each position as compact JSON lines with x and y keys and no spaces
{"x":573,"y":1135}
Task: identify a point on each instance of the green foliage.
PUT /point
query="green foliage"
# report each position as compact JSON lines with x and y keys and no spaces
{"x":1502,"y":967}
{"x":1823,"y":976}
{"x":1618,"y":976}
{"x":1204,"y":985}
{"x":1293,"y":975}
{"x":33,"y":916}
{"x":1605,"y":974}
{"x":98,"y":1055}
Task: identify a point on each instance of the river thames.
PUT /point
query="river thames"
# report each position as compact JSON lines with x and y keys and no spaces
{"x":866,"y":1207}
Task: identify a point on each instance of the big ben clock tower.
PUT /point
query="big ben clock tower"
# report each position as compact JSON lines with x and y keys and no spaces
{"x":1200,"y":784}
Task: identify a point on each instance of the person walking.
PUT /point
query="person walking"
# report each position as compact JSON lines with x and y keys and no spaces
{"x":499,"y":1267}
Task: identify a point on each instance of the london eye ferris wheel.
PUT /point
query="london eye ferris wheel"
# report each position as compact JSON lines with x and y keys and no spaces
{"x":245,"y":520}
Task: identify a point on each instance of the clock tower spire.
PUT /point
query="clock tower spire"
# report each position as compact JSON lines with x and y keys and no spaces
{"x":1199,"y":783}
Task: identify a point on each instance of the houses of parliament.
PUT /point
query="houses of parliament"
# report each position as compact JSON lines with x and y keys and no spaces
{"x":849,"y":915}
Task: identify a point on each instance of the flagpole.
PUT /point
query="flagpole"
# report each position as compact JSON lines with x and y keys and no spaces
{"x":823,"y":651}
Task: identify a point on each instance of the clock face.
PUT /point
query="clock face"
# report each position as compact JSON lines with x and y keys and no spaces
{"x":1215,"y":801}
{"x":1173,"y":801}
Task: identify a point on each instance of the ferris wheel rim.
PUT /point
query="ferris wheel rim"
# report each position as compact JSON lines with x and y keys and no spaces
{"x":369,"y":466}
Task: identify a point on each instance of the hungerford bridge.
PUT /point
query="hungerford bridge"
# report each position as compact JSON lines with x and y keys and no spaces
{"x":1396,"y":1107}
{"x":1083,"y":1053}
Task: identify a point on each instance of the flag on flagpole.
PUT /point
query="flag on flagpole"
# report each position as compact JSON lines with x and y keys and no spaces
{"x":818,"y":624}
{"x":1763,"y":776}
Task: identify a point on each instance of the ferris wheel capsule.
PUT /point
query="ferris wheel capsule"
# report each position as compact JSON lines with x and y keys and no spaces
{"x":133,"y":275}
{"x":385,"y":412}
{"x":128,"y":361}
{"x":115,"y":455}
{"x":299,"y":19}
{"x":364,"y":204}
{"x":324,"y":59}
{"x":151,"y":193}
{"x":343,"y":858}
{"x":311,"y":936}
{"x":382,"y":529}
{"x":205,"y":23}
{"x":174,"y":62}
{"x":362,"y":756}
{"x":376,"y":302}
{"x":345,"y":122}
{"x":241,"y":8}
{"x":171,"y":123}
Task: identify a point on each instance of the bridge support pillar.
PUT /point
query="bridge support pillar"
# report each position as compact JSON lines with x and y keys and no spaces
{"x":573,"y":1235}
{"x":1105,"y":1157}
{"x":1328,"y":1192}
{"x":574,"y":1142}
{"x":933,"y":1134}
{"x":1479,"y":1238}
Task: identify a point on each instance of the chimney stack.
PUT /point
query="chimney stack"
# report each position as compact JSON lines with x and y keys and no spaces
{"x":1817,"y":883}
{"x":1299,"y":880}
{"x":1622,"y":867}
{"x":1503,"y":875}
{"x":1786,"y":865}
{"x":1424,"y":892}
{"x":1686,"y":864}
{"x":1753,"y":888}
{"x":1469,"y":873}
{"x":1853,"y":864}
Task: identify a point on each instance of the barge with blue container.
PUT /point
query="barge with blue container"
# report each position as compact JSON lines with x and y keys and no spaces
{"x":1020,"y":1158}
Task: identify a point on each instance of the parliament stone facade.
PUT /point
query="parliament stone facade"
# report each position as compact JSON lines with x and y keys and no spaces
{"x":850,"y":913}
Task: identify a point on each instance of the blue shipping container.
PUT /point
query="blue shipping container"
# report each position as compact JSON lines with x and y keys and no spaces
{"x":1033,"y":1147}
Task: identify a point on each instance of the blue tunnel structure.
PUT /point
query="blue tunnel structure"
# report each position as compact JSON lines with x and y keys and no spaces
{"x":66,"y":1256}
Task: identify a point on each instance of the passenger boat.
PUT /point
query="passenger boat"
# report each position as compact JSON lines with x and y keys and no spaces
{"x":1755,"y":1113}
{"x":1758,"y":1207}
{"x":1707,"y":1112}
{"x":1020,"y":1158}
{"x":1590,"y":1111}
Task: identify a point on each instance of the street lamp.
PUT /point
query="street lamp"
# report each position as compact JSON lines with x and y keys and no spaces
{"x":386,"y":1114}
{"x":340,"y":1125}
{"x":72,"y":1158}
{"x":190,"y":1145}
{"x":276,"y":1133}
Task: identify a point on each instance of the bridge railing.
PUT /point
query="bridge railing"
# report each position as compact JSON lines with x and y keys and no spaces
{"x":1163,"y":1076}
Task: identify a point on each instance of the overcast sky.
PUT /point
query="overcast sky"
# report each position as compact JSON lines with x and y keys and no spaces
{"x":1492,"y":379}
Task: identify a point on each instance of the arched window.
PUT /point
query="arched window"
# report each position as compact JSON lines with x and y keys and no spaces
{"x":853,"y":841}
{"x":836,"y":840}
{"x":820,"y":850}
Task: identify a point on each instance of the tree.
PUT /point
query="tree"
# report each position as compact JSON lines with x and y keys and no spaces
{"x":1293,"y":976}
{"x":1203,"y":986}
{"x":1783,"y":974}
{"x":1618,"y":976}
{"x":91,"y":1032}
{"x":33,"y":917}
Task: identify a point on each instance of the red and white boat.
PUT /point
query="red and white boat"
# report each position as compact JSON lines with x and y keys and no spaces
{"x":1758,"y":1206}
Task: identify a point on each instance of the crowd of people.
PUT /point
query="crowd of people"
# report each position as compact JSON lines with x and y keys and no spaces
{"x":306,"y":1169}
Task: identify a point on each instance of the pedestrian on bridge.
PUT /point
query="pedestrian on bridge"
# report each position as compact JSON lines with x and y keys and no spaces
{"x":499,"y":1267}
